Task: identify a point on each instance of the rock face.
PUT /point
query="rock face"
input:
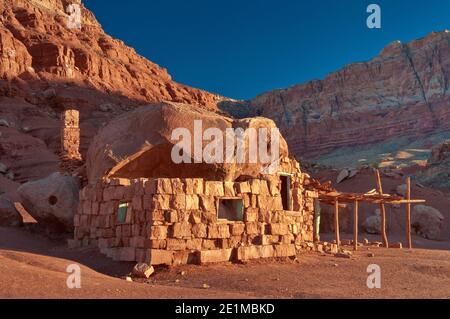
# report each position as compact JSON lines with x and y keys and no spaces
{"x":427,"y":221}
{"x":52,"y":201}
{"x":402,"y":92}
{"x":46,"y":67}
{"x":140,"y":144}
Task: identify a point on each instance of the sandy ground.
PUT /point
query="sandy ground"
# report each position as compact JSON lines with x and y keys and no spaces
{"x":34,"y":267}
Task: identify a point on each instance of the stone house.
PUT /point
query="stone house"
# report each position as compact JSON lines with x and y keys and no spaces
{"x":190,"y":216}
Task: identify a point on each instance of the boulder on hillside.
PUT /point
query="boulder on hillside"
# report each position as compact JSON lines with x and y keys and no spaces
{"x":8,"y":214}
{"x":427,"y":222}
{"x":372,"y":224}
{"x":52,"y":201}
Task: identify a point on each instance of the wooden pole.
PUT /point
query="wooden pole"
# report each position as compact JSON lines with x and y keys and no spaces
{"x":408,"y":213}
{"x":355,"y":225}
{"x":336,"y":222}
{"x":382,"y":211}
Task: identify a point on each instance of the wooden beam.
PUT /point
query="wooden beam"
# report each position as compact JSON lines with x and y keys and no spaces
{"x":382,"y":211}
{"x":355,"y":225}
{"x":408,"y":213}
{"x":336,"y":222}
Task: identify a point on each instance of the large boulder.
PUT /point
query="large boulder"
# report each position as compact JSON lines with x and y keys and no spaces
{"x":8,"y":214}
{"x":372,"y":224}
{"x":52,"y":201}
{"x":427,"y":221}
{"x":140,"y":144}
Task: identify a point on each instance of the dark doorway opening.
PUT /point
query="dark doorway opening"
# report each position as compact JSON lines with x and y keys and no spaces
{"x":286,"y":193}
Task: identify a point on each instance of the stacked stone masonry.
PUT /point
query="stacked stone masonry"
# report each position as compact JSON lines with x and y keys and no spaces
{"x":175,"y":221}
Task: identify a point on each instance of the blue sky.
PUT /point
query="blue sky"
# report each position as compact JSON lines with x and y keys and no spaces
{"x":241,"y":48}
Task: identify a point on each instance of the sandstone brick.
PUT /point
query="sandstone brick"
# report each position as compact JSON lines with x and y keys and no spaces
{"x":218,"y":231}
{"x":198,"y":186}
{"x":243,"y":187}
{"x":255,"y":186}
{"x":192,"y":202}
{"x":235,"y":241}
{"x":229,"y":189}
{"x":136,"y":203}
{"x":137,"y":242}
{"x":200,"y":231}
{"x":177,"y":186}
{"x":214,"y":188}
{"x":278,"y":229}
{"x":157,"y":216}
{"x":150,"y":187}
{"x":161,"y":202}
{"x":164,"y":186}
{"x":195,"y":217}
{"x":183,"y":215}
{"x":176,"y":244}
{"x":207,"y":203}
{"x":274,"y":187}
{"x":178,"y":201}
{"x":159,"y":257}
{"x":194,"y":244}
{"x":248,"y":252}
{"x":181,"y":230}
{"x":215,"y":256}
{"x":285,"y":250}
{"x":158,"y":232}
{"x":156,"y":244}
{"x":209,"y":217}
{"x":209,"y":244}
{"x":188,"y":186}
{"x":171,"y":216}
{"x":120,"y":182}
{"x":184,"y":258}
{"x":269,"y":239}
{"x":251,"y":228}
{"x":267,"y":251}
{"x":251,"y":215}
{"x":147,"y":202}
{"x":237,"y":229}
{"x":264,"y":188}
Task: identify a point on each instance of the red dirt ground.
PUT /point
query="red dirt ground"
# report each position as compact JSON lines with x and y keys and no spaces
{"x":34,"y":267}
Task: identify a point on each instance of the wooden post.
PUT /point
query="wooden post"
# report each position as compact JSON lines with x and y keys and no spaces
{"x":355,"y":225}
{"x":336,"y":222}
{"x":408,"y":213}
{"x":382,"y":211}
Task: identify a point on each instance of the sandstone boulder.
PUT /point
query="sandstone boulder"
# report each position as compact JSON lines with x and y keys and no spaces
{"x":427,"y":221}
{"x":8,"y":214}
{"x":140,"y":144}
{"x":372,"y":224}
{"x":401,"y":190}
{"x":52,"y":201}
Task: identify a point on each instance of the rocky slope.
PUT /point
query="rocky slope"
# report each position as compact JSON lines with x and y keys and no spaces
{"x":402,"y":92}
{"x":45,"y":67}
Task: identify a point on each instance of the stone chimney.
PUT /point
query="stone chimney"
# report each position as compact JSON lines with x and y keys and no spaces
{"x":70,"y":136}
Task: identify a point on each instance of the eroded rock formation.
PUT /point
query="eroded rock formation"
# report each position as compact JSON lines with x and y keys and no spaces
{"x":402,"y":92}
{"x":46,"y":68}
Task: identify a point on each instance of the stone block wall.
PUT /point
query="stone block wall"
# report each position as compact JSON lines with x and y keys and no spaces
{"x":175,"y":221}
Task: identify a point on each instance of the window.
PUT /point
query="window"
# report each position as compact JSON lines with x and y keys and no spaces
{"x":122,"y":212}
{"x":231,"y":209}
{"x":286,"y":193}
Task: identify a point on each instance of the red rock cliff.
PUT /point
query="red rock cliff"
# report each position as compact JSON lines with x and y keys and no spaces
{"x":46,"y":67}
{"x":402,"y":92}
